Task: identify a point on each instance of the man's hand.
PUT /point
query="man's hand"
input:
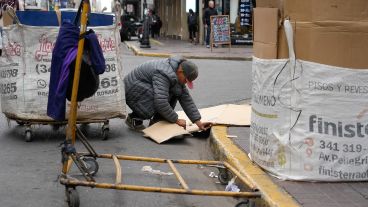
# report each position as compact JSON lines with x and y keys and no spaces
{"x":182,"y":123}
{"x":205,"y":26}
{"x":203,"y":126}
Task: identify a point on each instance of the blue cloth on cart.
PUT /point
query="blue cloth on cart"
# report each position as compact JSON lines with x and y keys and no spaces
{"x":48,"y":18}
{"x":63,"y":55}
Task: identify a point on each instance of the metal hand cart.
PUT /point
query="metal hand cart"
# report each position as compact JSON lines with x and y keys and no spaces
{"x":29,"y":116}
{"x":88,"y":165}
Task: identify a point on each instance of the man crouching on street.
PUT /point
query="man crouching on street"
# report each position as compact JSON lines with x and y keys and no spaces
{"x":153,"y":88}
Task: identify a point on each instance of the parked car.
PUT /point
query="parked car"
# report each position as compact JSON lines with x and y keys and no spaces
{"x":129,"y":27}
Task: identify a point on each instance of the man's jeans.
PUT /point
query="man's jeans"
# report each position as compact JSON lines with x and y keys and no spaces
{"x":208,"y":34}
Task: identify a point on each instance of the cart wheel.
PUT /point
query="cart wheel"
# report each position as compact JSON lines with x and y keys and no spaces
{"x":243,"y":204}
{"x":85,"y":124}
{"x":28,"y":136}
{"x":105,"y":134}
{"x":91,"y":165}
{"x":55,"y":127}
{"x":20,"y":123}
{"x":72,"y":197}
{"x":224,"y":176}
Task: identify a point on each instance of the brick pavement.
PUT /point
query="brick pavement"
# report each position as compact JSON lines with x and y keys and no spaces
{"x":312,"y":194}
{"x":166,"y":47}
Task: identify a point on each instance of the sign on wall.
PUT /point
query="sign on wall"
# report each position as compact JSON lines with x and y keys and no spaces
{"x":245,"y":11}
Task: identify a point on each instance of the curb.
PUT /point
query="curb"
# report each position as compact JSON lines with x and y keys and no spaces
{"x":138,"y":52}
{"x":225,"y":149}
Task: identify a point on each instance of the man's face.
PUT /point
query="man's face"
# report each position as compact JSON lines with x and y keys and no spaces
{"x":211,"y":4}
{"x":181,"y":77}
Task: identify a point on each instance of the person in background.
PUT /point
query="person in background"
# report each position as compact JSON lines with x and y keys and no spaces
{"x":208,"y":12}
{"x":116,"y":6}
{"x":192,"y":26}
{"x":153,"y":88}
{"x":1,"y":40}
{"x":1,"y":31}
{"x":156,"y":25}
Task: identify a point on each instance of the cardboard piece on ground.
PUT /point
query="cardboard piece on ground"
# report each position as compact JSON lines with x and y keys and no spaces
{"x":230,"y":114}
{"x":163,"y":131}
{"x":208,"y":114}
{"x":265,"y":33}
{"x":235,"y":115}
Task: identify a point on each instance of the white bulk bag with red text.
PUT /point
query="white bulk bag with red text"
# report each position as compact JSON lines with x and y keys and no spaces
{"x":25,"y":73}
{"x":309,"y":121}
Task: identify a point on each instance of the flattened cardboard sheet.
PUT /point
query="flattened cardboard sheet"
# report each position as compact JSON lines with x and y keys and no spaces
{"x":235,"y":115}
{"x":229,"y":114}
{"x":163,"y":131}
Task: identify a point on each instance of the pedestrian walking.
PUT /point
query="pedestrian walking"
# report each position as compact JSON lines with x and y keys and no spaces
{"x":208,"y":12}
{"x":153,"y":89}
{"x":192,"y":25}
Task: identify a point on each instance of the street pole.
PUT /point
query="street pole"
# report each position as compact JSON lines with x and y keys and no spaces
{"x":145,"y":38}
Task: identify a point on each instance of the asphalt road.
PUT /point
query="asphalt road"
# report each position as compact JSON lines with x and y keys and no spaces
{"x":29,"y":171}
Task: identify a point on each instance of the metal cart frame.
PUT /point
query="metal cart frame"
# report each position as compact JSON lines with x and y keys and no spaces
{"x":88,"y":166}
{"x":27,"y":123}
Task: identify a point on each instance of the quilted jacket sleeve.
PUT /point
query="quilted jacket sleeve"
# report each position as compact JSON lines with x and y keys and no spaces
{"x":161,"y":87}
{"x":189,"y":106}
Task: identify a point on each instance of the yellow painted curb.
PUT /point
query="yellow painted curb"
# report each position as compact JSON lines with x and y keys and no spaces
{"x":156,"y":42}
{"x":138,"y":52}
{"x":227,"y":150}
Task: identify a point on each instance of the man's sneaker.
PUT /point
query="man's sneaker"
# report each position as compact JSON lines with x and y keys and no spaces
{"x":207,"y":46}
{"x":134,"y":124}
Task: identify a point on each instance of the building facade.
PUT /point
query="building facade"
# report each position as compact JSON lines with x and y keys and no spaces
{"x":173,"y":14}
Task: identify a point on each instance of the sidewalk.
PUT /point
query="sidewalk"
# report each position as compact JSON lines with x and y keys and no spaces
{"x":306,"y":194}
{"x":168,"y":47}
